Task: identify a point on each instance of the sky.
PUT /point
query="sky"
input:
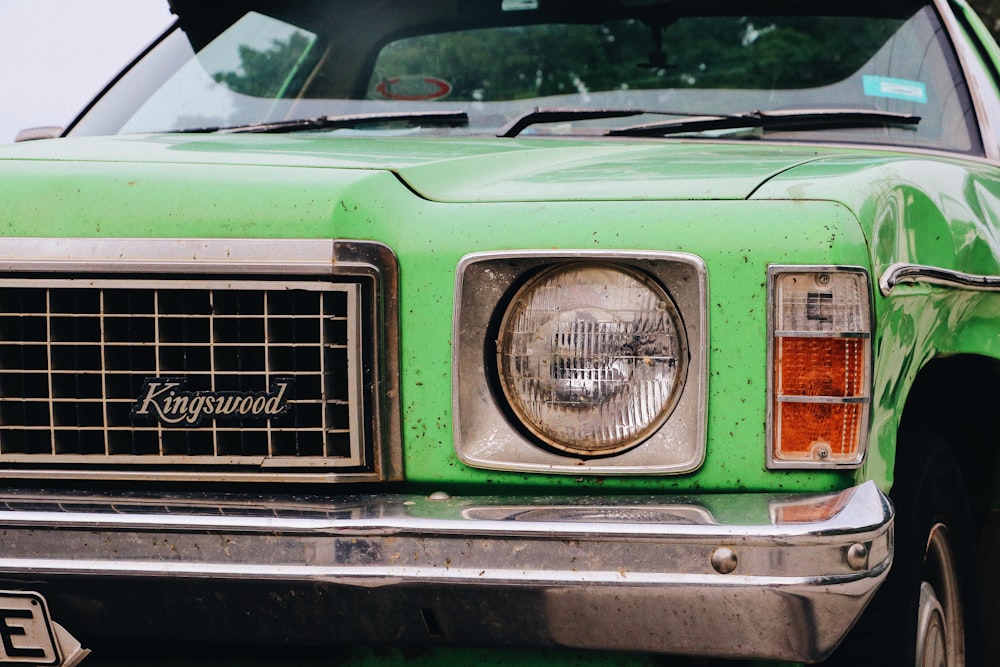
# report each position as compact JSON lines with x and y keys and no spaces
{"x":55,"y":55}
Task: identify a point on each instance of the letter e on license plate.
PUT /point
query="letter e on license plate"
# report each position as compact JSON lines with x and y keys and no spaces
{"x":26,"y":636}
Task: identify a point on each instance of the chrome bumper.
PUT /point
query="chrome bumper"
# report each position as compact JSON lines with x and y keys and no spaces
{"x":737,"y":575}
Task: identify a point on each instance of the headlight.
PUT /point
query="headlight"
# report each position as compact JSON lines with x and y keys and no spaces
{"x":591,"y":357}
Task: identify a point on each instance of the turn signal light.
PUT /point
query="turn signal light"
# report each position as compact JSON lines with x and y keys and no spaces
{"x":820,"y":361}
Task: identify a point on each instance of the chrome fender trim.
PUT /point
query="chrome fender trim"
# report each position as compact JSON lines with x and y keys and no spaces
{"x":900,"y":274}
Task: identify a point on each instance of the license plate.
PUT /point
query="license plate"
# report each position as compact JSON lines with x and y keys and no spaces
{"x":26,"y":635}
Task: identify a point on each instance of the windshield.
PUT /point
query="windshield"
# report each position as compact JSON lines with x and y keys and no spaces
{"x":388,"y":67}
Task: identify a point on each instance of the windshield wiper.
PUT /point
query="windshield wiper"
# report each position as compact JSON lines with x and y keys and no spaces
{"x":559,"y":115}
{"x":564,"y":114}
{"x":786,"y":119}
{"x":410,"y":118}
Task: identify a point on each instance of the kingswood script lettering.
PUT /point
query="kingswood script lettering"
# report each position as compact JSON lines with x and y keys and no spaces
{"x":165,"y":400}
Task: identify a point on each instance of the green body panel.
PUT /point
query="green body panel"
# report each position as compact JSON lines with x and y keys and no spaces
{"x":247,"y":193}
{"x":914,"y":210}
{"x":740,"y":208}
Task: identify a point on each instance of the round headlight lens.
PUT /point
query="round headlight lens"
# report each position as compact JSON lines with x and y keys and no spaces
{"x":592,"y":358}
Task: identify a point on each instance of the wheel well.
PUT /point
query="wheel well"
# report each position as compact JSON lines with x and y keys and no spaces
{"x":958,"y":397}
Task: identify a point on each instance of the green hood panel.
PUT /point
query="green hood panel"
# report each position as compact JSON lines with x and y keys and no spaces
{"x":469,"y":170}
{"x":386,"y":190}
{"x":558,"y":171}
{"x":739,"y":206}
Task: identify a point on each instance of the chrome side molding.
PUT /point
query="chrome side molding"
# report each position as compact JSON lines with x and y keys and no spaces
{"x":912,"y":274}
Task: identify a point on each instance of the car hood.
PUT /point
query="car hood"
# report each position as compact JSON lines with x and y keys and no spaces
{"x":471,"y":170}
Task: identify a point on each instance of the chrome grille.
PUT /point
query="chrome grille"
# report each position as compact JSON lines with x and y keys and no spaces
{"x":91,"y":365}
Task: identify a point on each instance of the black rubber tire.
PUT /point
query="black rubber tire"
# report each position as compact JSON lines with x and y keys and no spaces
{"x":928,"y":495}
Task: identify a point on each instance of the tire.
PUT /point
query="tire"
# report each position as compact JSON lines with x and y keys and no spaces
{"x":925,"y":614}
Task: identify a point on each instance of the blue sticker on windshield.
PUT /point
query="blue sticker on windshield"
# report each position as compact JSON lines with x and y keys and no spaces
{"x":897,"y":89}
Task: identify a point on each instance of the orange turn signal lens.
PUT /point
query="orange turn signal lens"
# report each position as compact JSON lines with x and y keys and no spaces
{"x":820,"y":361}
{"x":818,"y":431}
{"x":820,"y":367}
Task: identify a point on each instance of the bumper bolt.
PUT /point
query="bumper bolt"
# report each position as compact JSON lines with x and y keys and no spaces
{"x":724,"y":560}
{"x":857,"y":557}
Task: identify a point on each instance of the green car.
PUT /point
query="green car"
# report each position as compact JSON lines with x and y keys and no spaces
{"x":512,"y":332}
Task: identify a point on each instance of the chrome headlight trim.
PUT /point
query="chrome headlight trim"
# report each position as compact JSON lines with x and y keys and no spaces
{"x":486,"y":433}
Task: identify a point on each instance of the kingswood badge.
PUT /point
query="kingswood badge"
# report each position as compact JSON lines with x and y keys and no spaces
{"x":165,"y":400}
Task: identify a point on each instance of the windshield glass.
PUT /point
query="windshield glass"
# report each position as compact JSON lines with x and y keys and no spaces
{"x":266,"y":62}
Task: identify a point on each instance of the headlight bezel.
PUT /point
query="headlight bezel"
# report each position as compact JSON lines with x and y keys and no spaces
{"x":488,"y":434}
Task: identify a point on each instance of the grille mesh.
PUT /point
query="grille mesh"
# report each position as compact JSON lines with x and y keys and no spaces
{"x":75,"y":356}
